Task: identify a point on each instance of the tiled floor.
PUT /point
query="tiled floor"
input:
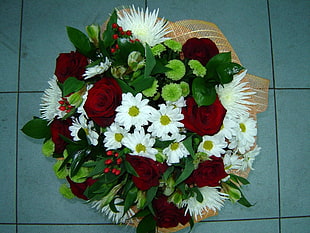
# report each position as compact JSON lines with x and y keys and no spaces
{"x":271,"y":38}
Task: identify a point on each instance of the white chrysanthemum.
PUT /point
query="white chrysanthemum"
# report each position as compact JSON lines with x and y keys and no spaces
{"x":166,"y":122}
{"x":97,"y":69}
{"x":133,"y":111}
{"x":229,"y":127}
{"x":246,"y":133}
{"x":50,"y":105}
{"x":234,"y":96}
{"x":213,"y":145}
{"x":212,"y":200}
{"x":180,"y":103}
{"x":87,"y":126}
{"x":145,"y":26}
{"x":140,"y":144}
{"x":232,"y":161}
{"x":114,"y":136}
{"x":118,"y":217}
{"x":176,"y":150}
{"x":249,"y":157}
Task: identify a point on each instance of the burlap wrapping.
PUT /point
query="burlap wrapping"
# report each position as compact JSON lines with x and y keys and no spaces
{"x":183,"y":30}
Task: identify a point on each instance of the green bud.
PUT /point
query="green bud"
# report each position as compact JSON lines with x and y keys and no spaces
{"x":185,"y":88}
{"x":118,"y":71}
{"x":81,"y":175}
{"x":135,"y":60}
{"x":234,"y":194}
{"x":169,"y":186}
{"x":176,"y":198}
{"x":75,"y":99}
{"x":93,"y":32}
{"x":141,"y":197}
{"x":48,"y":148}
{"x":160,"y":157}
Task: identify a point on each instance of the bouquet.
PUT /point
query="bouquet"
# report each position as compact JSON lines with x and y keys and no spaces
{"x":150,"y":122}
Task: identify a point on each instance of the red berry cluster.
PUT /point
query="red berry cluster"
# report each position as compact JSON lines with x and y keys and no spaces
{"x":113,"y":163}
{"x":64,"y":105}
{"x":119,"y":33}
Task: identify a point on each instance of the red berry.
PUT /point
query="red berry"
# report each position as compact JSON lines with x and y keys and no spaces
{"x":116,"y":46}
{"x":108,"y":161}
{"x":113,"y":50}
{"x":117,"y":172}
{"x":116,"y":154}
{"x":114,"y":170}
{"x":122,"y":33}
{"x":128,"y":33}
{"x":62,"y":108}
{"x":114,"y":25}
{"x":115,"y":36}
{"x":120,"y":29}
{"x":109,"y":153}
{"x":119,"y":161}
{"x":61,"y":102}
{"x":106,"y":170}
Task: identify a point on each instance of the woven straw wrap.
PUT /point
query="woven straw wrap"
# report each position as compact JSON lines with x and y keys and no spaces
{"x":183,"y":30}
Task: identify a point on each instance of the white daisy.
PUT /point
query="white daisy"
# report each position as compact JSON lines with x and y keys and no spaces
{"x":97,"y":69}
{"x":50,"y":101}
{"x":234,"y":96}
{"x":133,"y":111}
{"x":176,"y":150}
{"x":249,"y":157}
{"x":180,"y":103}
{"x":213,"y":145}
{"x":87,"y":126}
{"x":232,"y":161}
{"x":141,"y":144}
{"x":145,"y":26}
{"x":81,"y":109}
{"x":114,"y":137}
{"x":228,"y":128}
{"x":166,"y":122}
{"x":246,"y":133}
{"x":117,"y":217}
{"x":212,"y":200}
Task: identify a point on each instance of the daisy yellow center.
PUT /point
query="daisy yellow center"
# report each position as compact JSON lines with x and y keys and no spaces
{"x":174,"y":146}
{"x":140,"y":148}
{"x":208,"y":145}
{"x":118,"y":137}
{"x":165,"y":120}
{"x":242,"y":127}
{"x":86,"y":131}
{"x":133,"y":111}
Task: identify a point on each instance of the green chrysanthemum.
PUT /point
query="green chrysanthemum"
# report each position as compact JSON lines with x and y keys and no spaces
{"x":173,"y":45}
{"x":177,"y":70}
{"x":185,"y":88}
{"x":197,"y":67}
{"x":66,"y":191}
{"x":150,"y":92}
{"x":171,"y":92}
{"x":158,"y":49}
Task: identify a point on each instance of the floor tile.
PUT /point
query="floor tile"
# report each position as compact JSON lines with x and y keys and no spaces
{"x":296,"y":225}
{"x":291,"y":42}
{"x":8,"y":157}
{"x":8,"y":228}
{"x":9,"y":43}
{"x":43,"y":39}
{"x":293,"y":132}
{"x":74,"y":229}
{"x":238,"y":20}
{"x":255,"y":226}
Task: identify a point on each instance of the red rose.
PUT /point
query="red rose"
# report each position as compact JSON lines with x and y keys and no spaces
{"x":70,"y":65}
{"x":208,"y":173}
{"x":102,"y":100}
{"x":200,"y":49}
{"x":78,"y":189}
{"x":204,"y":120}
{"x":167,"y":214}
{"x":149,"y":171}
{"x":60,"y":127}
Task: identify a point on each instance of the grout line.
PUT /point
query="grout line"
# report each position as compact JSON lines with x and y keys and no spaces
{"x":276,"y":118}
{"x":17,"y":113}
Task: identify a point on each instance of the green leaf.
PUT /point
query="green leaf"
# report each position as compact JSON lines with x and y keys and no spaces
{"x":130,"y":198}
{"x":188,"y":169}
{"x":150,"y":61}
{"x":147,"y":225}
{"x":215,"y":61}
{"x":125,"y":87}
{"x":71,"y":85}
{"x":142,"y":213}
{"x":199,"y":196}
{"x":150,"y":194}
{"x":77,"y":161}
{"x":188,"y":143}
{"x":203,"y":93}
{"x":239,"y":179}
{"x":37,"y":128}
{"x":243,"y":201}
{"x":130,"y":169}
{"x":142,"y":82}
{"x":108,"y":40}
{"x":113,"y":207}
{"x":81,"y":42}
{"x":60,"y":173}
{"x":168,"y":172}
{"x":226,"y":71}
